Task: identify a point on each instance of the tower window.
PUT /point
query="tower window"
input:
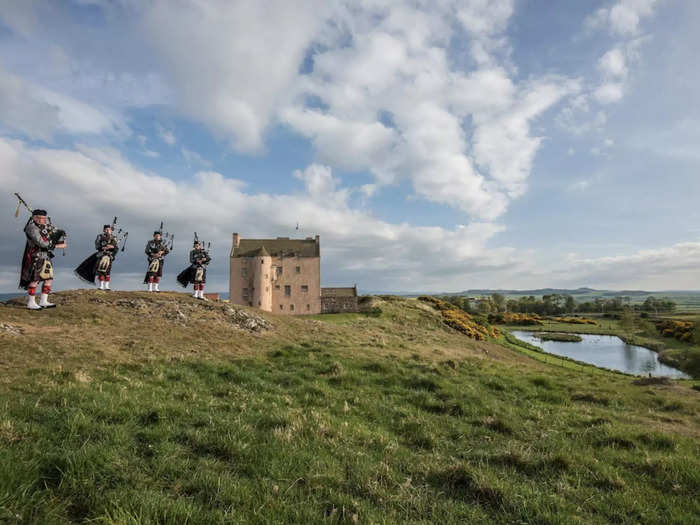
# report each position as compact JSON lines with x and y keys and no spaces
{"x":281,"y":307}
{"x":304,"y":288}
{"x":287,"y":290}
{"x":291,"y":307}
{"x":308,"y":307}
{"x":298,"y":269}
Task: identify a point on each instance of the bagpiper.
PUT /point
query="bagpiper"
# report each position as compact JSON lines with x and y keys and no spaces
{"x":196,"y":272}
{"x":156,"y":250}
{"x":42,"y":239}
{"x":99,"y":264}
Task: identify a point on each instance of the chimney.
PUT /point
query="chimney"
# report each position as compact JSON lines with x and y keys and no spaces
{"x":236,"y":240}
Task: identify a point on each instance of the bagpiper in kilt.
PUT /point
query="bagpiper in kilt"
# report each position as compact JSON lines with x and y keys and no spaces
{"x":99,"y":264}
{"x":156,"y":250}
{"x":196,"y":272}
{"x":42,"y":239}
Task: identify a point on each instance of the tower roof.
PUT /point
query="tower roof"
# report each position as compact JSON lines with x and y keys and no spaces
{"x":260,"y":252}
{"x":281,"y":246}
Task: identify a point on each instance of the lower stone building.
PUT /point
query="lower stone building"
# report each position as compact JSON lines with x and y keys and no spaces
{"x":339,"y":300}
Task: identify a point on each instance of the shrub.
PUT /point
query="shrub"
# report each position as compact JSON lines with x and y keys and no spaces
{"x":516,"y":319}
{"x":461,"y":321}
{"x":680,"y":330}
{"x":573,"y":320}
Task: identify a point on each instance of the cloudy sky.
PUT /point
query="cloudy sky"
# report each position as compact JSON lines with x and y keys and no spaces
{"x":433,"y":144}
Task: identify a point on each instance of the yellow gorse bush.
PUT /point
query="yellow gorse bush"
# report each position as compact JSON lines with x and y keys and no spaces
{"x":518,"y":319}
{"x":573,"y":320}
{"x":681,"y":330}
{"x":460,"y":320}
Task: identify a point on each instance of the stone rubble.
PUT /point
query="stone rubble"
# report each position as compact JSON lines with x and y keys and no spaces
{"x":11,"y":329}
{"x":247,"y":321}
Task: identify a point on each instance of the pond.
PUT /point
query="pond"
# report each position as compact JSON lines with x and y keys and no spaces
{"x":606,"y":351}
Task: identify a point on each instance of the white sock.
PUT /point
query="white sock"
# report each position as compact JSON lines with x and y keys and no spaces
{"x":31,"y":303}
{"x":44,"y":301}
{"x":106,"y":285}
{"x":150,"y":287}
{"x":156,"y":287}
{"x":102,"y":285}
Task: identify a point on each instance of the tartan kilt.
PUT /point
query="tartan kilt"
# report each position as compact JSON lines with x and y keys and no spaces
{"x":32,"y":267}
{"x":189,"y":275}
{"x":158,"y":273}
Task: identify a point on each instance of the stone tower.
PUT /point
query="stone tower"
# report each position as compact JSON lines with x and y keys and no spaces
{"x":279,"y":275}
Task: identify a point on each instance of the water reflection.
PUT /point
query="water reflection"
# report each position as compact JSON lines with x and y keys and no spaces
{"x":606,"y":351}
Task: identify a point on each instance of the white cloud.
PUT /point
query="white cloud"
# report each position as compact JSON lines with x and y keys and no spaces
{"x":389,"y":100}
{"x":23,"y":110}
{"x":613,"y":64}
{"x":356,"y":246}
{"x":580,"y":185}
{"x":192,"y":158}
{"x":485,"y":21}
{"x":669,"y":267}
{"x":376,"y":86}
{"x":166,"y":135}
{"x":610,"y":92}
{"x":40,"y":113}
{"x":622,"y":17}
{"x":237,"y":62}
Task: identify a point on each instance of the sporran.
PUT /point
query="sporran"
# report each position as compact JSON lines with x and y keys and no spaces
{"x":46,"y":271}
{"x":104,"y":263}
{"x":154,"y":266}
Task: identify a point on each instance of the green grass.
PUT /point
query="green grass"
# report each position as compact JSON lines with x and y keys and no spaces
{"x":305,"y":436}
{"x":331,"y":429}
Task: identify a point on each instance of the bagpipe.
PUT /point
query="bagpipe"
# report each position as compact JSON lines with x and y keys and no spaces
{"x":55,"y":234}
{"x":120,"y":235}
{"x":202,"y":244}
{"x":166,"y":237}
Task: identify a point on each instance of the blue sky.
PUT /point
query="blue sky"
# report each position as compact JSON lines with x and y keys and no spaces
{"x":439,"y":145}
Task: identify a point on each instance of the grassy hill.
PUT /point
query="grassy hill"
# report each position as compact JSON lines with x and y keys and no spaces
{"x":142,"y":408}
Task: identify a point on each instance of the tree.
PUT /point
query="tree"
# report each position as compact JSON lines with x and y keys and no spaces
{"x":627,"y":320}
{"x":569,"y":304}
{"x":499,"y":301}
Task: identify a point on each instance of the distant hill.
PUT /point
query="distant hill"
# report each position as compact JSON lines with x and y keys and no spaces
{"x":539,"y":291}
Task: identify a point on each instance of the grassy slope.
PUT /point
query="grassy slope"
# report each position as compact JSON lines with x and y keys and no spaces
{"x":352,"y":418}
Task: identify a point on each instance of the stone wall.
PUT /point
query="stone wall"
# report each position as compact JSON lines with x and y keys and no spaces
{"x":339,"y":300}
{"x":338,"y":305}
